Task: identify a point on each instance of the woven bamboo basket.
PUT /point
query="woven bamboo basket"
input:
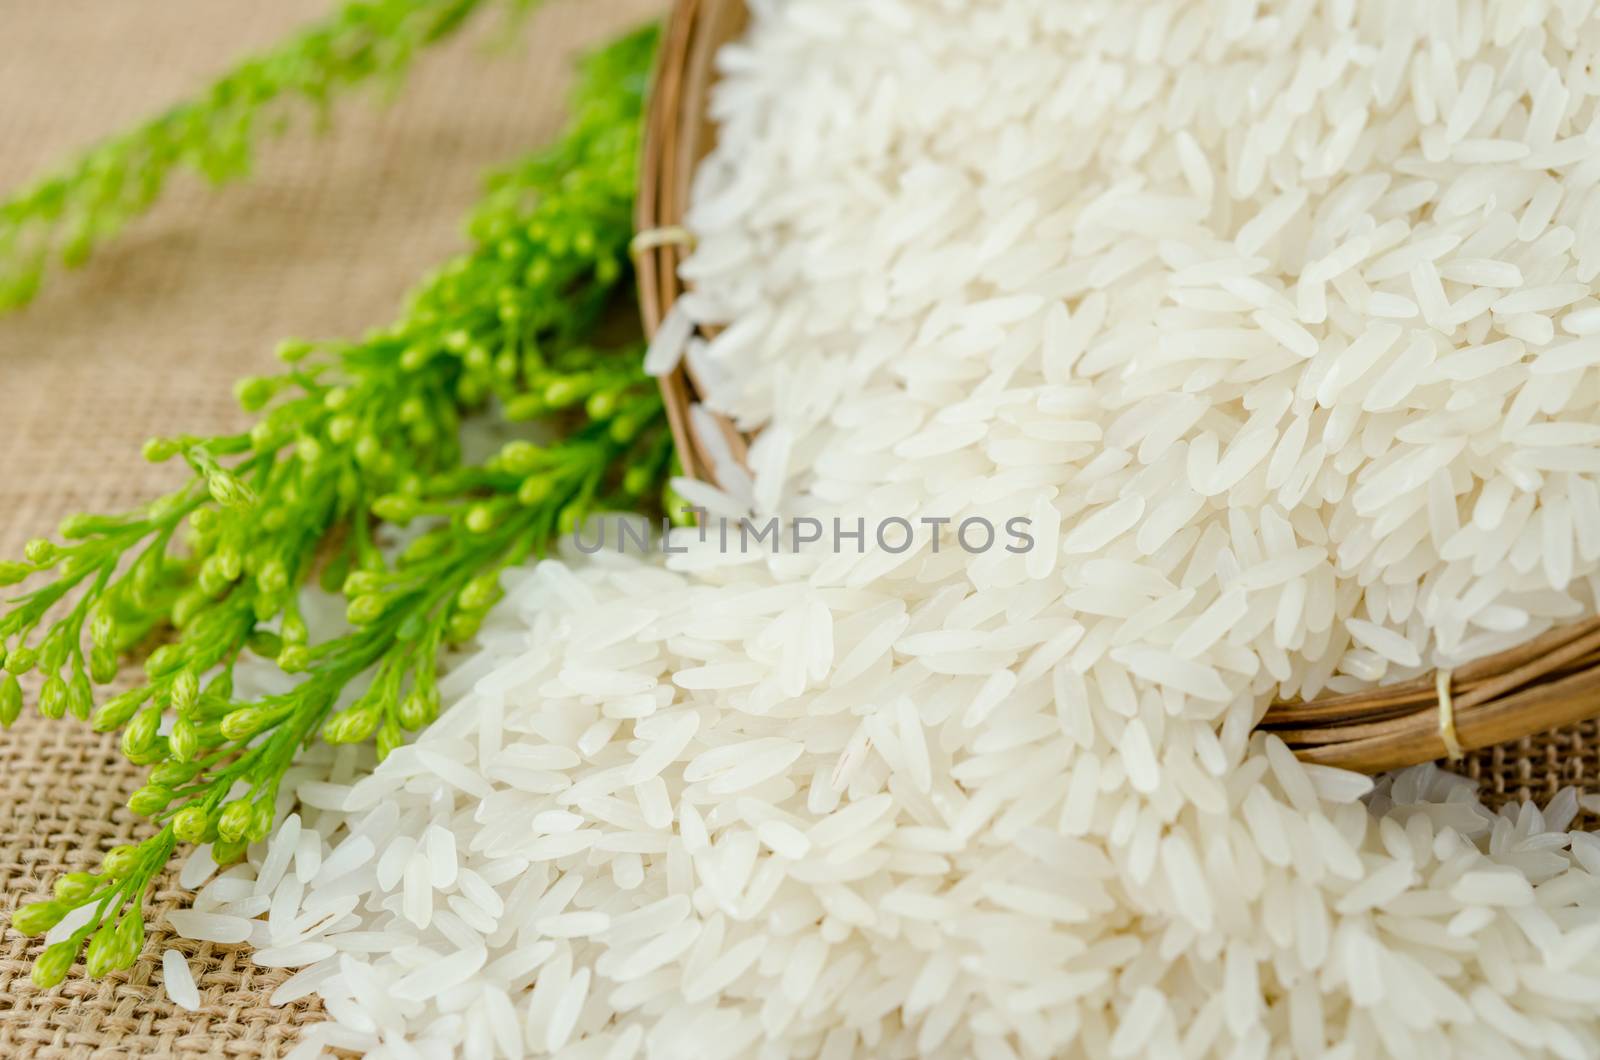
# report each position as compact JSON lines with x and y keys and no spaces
{"x":1549,"y":682}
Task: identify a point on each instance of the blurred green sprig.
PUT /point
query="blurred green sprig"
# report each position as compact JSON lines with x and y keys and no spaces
{"x":65,"y":216}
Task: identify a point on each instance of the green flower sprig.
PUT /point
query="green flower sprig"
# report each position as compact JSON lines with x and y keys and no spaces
{"x":437,"y":591}
{"x":349,"y":436}
{"x":68,"y":214}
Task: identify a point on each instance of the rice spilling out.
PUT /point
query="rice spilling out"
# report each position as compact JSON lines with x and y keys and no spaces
{"x":1279,"y":321}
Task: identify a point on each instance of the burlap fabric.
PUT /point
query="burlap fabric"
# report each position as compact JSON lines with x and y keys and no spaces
{"x":323,"y":241}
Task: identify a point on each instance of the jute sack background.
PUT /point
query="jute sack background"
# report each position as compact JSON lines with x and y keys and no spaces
{"x":323,"y":241}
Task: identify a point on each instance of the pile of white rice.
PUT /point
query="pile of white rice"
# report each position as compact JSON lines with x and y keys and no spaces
{"x":1278,"y":319}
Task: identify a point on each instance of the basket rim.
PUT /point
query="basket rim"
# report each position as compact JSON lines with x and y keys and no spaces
{"x":677,"y":135}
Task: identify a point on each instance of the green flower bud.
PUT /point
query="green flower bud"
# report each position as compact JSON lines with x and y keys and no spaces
{"x":149,"y":756}
{"x":119,"y":861}
{"x":266,"y":436}
{"x":293,"y":629}
{"x":336,"y":398}
{"x":10,"y":700}
{"x":82,"y":524}
{"x":423,"y":548}
{"x":230,"y":561}
{"x":525,"y":407}
{"x":395,"y":508}
{"x":463,"y":626}
{"x":389,"y":738}
{"x":293,"y":351}
{"x":563,"y":392}
{"x":80,"y":697}
{"x":54,"y":964}
{"x":102,"y":665}
{"x":637,"y":480}
{"x":626,"y":427}
{"x":185,"y":689}
{"x":505,"y":365}
{"x":53,"y":697}
{"x":365,"y":610}
{"x":102,"y":952}
{"x":413,"y":410}
{"x":266,"y":644}
{"x":21,"y":659}
{"x":309,"y":450}
{"x":254,"y":391}
{"x":141,"y":732}
{"x":115,"y":712}
{"x":264,"y":606}
{"x":273,"y":577}
{"x":160,"y":450}
{"x":227,"y":851}
{"x":41,"y":552}
{"x":149,"y":800}
{"x":519,"y":457}
{"x":103,"y":624}
{"x":352,"y":725}
{"x":419,"y":708}
{"x":480,"y":518}
{"x":415,"y":357}
{"x":227,"y":490}
{"x":184,"y":742}
{"x":534,"y":491}
{"x":203,"y":521}
{"x":361,"y":583}
{"x":341,"y":429}
{"x":189,"y":824}
{"x":164,"y":660}
{"x":294,"y":658}
{"x":172,"y":774}
{"x":130,"y":939}
{"x":75,"y":887}
{"x":245,"y":722}
{"x":235,"y":820}
{"x":12,"y":572}
{"x":38,"y":917}
{"x":261,"y":821}
{"x":601,"y":404}
{"x":369,"y":450}
{"x":480,"y":593}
